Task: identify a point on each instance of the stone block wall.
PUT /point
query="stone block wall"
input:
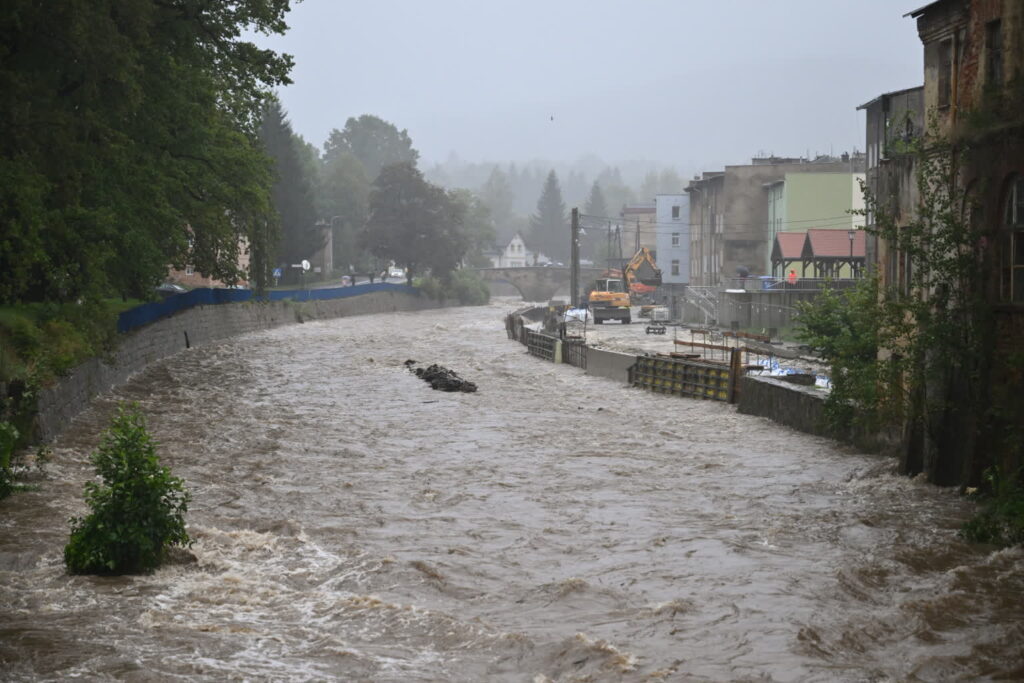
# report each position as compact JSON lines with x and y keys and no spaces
{"x":59,"y":404}
{"x":799,"y":407}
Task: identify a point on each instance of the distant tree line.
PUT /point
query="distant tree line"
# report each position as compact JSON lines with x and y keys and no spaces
{"x":526,"y":199}
{"x":366,"y":191}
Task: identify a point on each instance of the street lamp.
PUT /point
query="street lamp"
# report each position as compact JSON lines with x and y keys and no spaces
{"x":851,"y":234}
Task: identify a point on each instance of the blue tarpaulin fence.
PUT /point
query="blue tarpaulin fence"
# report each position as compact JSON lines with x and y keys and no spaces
{"x":149,"y":313}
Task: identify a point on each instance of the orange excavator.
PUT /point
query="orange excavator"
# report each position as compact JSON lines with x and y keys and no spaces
{"x":614,"y":292}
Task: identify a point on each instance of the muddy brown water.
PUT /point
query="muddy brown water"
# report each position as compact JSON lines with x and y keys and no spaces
{"x":352,"y":524}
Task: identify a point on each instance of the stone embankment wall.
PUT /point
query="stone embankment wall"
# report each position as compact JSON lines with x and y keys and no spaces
{"x":59,"y":404}
{"x":796,"y":406}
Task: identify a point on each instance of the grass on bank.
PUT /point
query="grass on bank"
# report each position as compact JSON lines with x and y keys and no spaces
{"x":38,"y":343}
{"x":46,"y":340}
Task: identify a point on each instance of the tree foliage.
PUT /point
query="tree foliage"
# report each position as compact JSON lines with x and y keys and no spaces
{"x":478,"y":227}
{"x":374,"y":141}
{"x":137,"y":510}
{"x":345,"y":198}
{"x":845,"y":327}
{"x":294,"y":188}
{"x":127,"y":141}
{"x":549,"y":232}
{"x":596,"y":205}
{"x":414,"y":223}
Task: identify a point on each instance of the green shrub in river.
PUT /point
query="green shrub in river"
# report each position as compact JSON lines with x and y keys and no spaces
{"x":137,"y":511}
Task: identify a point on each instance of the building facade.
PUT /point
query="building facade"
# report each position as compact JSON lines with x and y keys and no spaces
{"x":894,"y":122}
{"x":673,"y":237}
{"x":513,"y":255}
{"x":963,"y":132}
{"x":814,"y":201}
{"x":729,"y":213}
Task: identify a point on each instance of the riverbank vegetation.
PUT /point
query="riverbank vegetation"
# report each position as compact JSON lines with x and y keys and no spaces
{"x":137,"y":510}
{"x":464,"y":286}
{"x":1001,"y":518}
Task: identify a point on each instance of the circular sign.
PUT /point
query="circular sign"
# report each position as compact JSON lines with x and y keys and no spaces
{"x":305,"y":264}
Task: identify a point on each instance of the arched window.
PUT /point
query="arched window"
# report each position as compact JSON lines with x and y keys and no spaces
{"x":1011,"y":260}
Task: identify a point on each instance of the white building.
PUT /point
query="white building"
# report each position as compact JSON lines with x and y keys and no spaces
{"x":672,"y":212}
{"x":513,"y":255}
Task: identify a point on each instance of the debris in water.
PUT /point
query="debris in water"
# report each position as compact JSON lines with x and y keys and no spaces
{"x":441,"y":378}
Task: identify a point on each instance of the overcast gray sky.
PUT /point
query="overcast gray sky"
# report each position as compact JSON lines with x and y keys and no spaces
{"x":685,"y":83}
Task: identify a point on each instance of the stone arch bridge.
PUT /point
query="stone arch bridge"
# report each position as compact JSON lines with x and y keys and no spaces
{"x":538,"y":283}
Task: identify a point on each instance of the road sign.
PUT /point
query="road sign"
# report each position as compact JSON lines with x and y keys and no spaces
{"x":277,"y":272}
{"x":305,"y":264}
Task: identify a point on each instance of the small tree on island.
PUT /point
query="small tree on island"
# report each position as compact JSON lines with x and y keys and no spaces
{"x":138,"y":510}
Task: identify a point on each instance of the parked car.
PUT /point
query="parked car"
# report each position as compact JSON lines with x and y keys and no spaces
{"x":169,"y":289}
{"x":395,"y":272}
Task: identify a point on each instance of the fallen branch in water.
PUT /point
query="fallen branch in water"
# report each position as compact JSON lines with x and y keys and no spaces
{"x":441,"y":378}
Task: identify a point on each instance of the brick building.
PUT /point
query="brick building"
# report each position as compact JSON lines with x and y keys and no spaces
{"x":971,"y":108}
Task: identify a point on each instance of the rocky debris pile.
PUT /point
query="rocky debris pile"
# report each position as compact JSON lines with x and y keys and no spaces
{"x":441,"y":378}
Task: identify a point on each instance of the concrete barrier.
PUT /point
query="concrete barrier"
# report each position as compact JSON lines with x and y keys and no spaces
{"x":610,"y":364}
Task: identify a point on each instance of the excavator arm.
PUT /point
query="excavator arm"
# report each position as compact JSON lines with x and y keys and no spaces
{"x":642,"y":269}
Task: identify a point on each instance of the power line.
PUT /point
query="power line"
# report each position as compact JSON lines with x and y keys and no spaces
{"x":628,"y":221}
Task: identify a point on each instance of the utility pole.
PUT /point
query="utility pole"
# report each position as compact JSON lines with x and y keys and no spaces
{"x":574,"y":255}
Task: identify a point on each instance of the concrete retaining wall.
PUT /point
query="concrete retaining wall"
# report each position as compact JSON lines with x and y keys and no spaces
{"x":799,"y":407}
{"x":60,"y":403}
{"x":610,"y":364}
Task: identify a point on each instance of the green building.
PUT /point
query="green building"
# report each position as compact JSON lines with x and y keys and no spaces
{"x":801,"y":201}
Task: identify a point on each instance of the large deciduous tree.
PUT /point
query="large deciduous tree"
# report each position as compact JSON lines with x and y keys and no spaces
{"x":374,"y":141}
{"x":414,"y":223}
{"x":345,"y":194}
{"x":127,"y":141}
{"x":293,"y":190}
{"x":478,"y":227}
{"x":549,"y":232}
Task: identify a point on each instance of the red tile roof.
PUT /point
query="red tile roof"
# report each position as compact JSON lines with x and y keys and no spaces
{"x":788,"y":246}
{"x":832,"y":243}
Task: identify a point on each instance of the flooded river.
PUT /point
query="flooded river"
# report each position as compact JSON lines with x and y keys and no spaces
{"x":352,"y":524}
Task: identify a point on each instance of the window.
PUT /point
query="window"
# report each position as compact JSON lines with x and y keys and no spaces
{"x":994,"y":53}
{"x":1011,"y":260}
{"x":675,"y":239}
{"x":675,"y":267}
{"x":945,"y":72}
{"x":190,"y":270}
{"x":675,"y":213}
